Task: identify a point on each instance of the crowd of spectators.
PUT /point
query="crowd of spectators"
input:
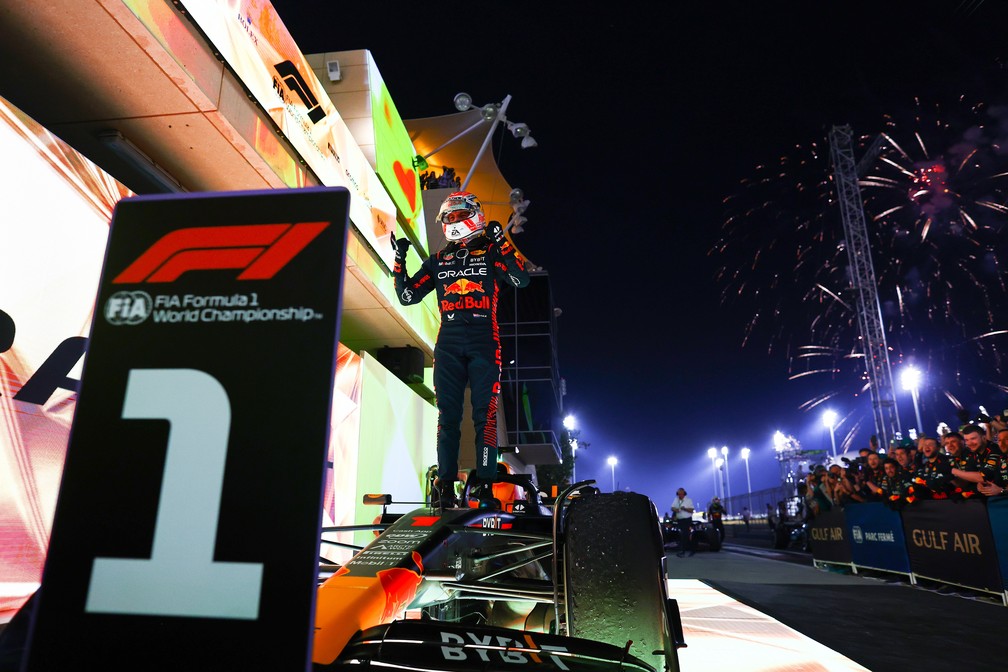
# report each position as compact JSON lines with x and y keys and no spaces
{"x":446,"y":180}
{"x":971,"y":462}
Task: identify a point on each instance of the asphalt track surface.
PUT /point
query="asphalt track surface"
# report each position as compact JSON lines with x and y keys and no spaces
{"x":881,"y":622}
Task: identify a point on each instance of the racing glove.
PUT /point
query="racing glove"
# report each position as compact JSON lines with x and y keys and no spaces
{"x":496,"y":233}
{"x":400,"y":246}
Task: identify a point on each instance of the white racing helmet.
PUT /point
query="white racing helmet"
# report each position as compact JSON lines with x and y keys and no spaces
{"x":461,"y":216}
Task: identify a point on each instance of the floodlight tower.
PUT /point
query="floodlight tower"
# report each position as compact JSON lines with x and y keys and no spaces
{"x":873,"y":340}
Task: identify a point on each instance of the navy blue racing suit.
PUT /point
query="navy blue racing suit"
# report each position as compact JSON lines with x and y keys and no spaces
{"x":467,"y":278}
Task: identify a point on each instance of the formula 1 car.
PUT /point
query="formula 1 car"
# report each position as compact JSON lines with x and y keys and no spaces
{"x":579,"y":585}
{"x":705,"y":535}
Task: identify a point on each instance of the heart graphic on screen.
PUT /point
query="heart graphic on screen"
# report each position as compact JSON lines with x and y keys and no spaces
{"x":407,"y":180}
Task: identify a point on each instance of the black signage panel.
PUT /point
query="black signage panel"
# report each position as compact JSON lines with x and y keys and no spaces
{"x":187,"y":527}
{"x":951,"y":541}
{"x":831,"y":537}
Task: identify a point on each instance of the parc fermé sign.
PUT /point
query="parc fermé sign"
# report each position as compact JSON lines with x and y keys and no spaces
{"x":187,"y":527}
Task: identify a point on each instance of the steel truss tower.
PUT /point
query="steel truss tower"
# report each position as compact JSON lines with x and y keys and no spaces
{"x":873,"y":340}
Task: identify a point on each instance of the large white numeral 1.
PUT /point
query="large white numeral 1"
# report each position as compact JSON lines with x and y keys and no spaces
{"x":181,"y":577}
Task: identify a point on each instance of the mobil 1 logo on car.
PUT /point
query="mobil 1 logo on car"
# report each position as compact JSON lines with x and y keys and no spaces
{"x":187,"y":527}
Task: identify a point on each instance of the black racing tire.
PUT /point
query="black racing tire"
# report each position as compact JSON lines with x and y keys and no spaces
{"x":614,"y":575}
{"x":782,"y":537}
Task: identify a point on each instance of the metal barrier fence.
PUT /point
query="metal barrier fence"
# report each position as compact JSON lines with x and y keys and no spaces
{"x":959,"y":543}
{"x":759,"y":501}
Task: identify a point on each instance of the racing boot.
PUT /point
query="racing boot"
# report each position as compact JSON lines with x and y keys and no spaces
{"x":443,"y":495}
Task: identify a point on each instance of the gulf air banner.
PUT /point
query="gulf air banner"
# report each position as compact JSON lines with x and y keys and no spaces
{"x":951,"y":541}
{"x":256,"y":45}
{"x":189,"y":510}
{"x":830,"y":537}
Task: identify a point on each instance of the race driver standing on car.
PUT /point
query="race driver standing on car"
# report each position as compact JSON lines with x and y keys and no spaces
{"x":466,"y":275}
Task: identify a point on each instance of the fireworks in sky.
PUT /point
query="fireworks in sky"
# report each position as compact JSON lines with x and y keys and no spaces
{"x":935,"y":190}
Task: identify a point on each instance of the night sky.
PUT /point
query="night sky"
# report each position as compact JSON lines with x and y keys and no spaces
{"x":646,"y":121}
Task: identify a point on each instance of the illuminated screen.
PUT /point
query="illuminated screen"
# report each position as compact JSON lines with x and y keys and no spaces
{"x":259,"y":49}
{"x":54,"y":226}
{"x":396,"y":446}
{"x":394,"y":155}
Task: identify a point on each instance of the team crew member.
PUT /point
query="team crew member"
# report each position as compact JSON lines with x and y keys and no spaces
{"x":995,"y":469}
{"x":715,"y":513}
{"x":936,"y":472}
{"x":682,"y":508}
{"x":466,"y":276}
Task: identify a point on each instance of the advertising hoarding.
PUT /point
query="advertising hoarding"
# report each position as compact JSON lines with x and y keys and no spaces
{"x":394,"y":155}
{"x":54,"y":227}
{"x":253,"y":41}
{"x":951,"y":541}
{"x":876,"y":534}
{"x":830,"y":537}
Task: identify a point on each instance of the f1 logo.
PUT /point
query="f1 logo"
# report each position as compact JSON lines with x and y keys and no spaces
{"x":260,"y":249}
{"x":296,"y":83}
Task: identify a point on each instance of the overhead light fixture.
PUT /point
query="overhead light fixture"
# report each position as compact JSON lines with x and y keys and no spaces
{"x":119,"y":145}
{"x":522,"y":131}
{"x":490,"y":111}
{"x":519,"y":130}
{"x":420,"y":162}
{"x":463,"y":101}
{"x":516,"y":195}
{"x":515,"y":223}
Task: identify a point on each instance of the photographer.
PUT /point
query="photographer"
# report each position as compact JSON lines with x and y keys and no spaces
{"x":819,"y":491}
{"x":873,"y":470}
{"x":843,"y":488}
{"x":856,"y":474}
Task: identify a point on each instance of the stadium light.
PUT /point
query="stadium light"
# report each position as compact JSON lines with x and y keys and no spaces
{"x":712,"y":454}
{"x":727,"y":475}
{"x":829,"y":418}
{"x":911,"y":378}
{"x":745,"y":456}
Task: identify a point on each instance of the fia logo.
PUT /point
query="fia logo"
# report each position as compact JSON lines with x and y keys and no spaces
{"x":128,"y":308}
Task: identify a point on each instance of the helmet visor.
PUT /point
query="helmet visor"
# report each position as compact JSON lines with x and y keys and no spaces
{"x":457,"y":215}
